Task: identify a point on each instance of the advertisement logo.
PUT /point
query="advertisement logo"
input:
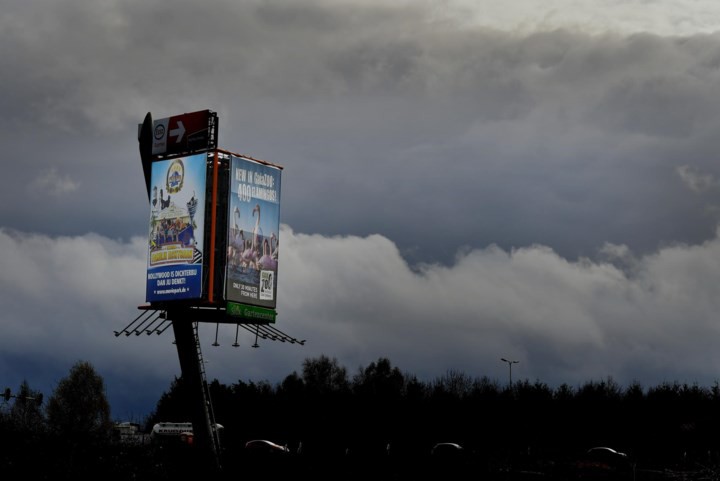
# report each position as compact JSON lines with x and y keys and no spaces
{"x":159,"y":132}
{"x":175,"y":176}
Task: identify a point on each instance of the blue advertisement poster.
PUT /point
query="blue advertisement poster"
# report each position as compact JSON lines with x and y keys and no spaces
{"x":253,"y":228}
{"x":177,"y":223}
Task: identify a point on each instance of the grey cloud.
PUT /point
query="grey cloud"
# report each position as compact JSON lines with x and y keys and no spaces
{"x":53,"y":182}
{"x":696,"y":181}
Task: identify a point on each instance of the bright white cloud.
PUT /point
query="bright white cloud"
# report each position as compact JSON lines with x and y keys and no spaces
{"x":355,"y":299}
{"x":675,"y":18}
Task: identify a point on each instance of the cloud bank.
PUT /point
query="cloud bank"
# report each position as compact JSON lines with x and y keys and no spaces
{"x":649,"y":319}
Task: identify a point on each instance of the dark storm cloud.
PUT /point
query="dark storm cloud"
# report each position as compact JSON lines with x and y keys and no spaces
{"x":438,"y":136}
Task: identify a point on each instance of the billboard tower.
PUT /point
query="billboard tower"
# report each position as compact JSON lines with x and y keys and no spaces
{"x":213,"y":243}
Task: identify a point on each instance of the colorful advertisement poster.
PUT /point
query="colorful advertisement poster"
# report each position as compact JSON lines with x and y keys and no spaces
{"x":177,"y":223}
{"x":253,"y":228}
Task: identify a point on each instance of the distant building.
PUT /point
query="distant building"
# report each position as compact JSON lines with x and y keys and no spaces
{"x":129,"y":433}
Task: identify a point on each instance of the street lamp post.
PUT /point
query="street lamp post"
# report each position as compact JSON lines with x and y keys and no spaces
{"x":510,"y":363}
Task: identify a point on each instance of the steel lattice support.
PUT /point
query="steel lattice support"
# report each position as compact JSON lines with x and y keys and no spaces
{"x":192,"y":374}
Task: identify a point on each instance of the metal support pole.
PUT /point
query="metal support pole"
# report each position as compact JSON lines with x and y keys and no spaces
{"x":188,"y":355}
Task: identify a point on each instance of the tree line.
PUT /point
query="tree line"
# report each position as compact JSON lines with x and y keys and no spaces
{"x":324,"y":408}
{"x":325,"y":412}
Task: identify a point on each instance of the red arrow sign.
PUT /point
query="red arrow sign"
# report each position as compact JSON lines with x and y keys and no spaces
{"x":182,"y":133}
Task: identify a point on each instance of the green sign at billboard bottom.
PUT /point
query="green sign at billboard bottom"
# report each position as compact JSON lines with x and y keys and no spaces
{"x":251,"y":313}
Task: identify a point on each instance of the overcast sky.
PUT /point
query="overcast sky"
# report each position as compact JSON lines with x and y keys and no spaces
{"x":463,"y":181}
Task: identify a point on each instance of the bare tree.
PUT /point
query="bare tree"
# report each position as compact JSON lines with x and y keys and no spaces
{"x":26,"y":411}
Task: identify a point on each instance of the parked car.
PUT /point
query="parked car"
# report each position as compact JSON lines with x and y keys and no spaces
{"x":265,"y":447}
{"x":447,"y":450}
{"x":605,"y":463}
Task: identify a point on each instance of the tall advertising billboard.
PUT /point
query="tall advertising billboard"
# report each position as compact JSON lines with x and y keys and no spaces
{"x":177,"y":223}
{"x":253,"y":229}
